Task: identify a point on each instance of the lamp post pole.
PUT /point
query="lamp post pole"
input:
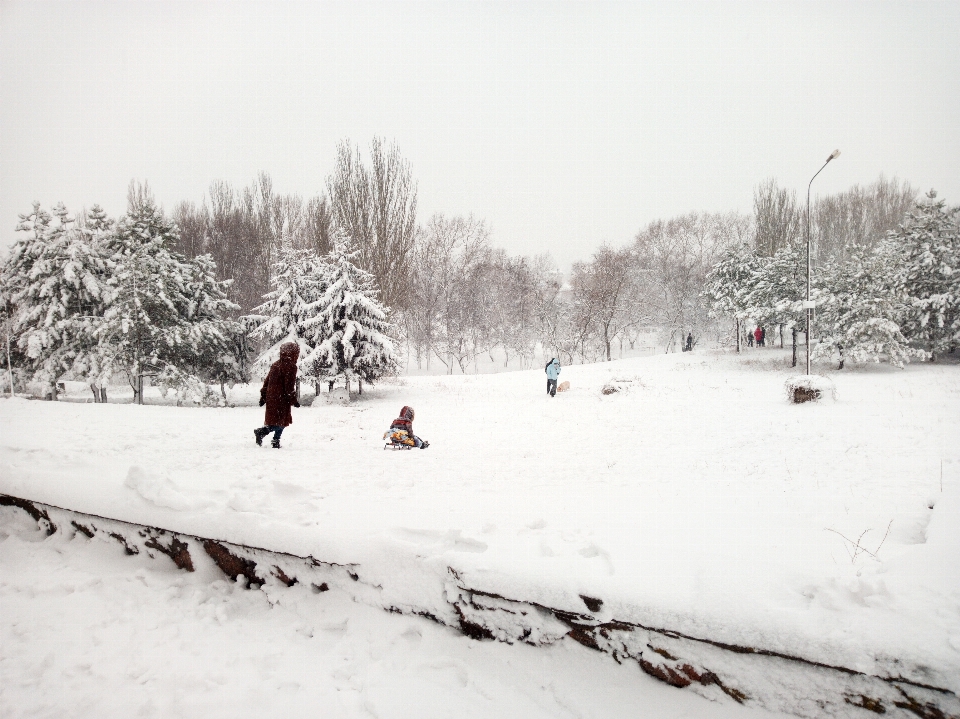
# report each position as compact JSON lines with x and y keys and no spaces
{"x":808,"y":305}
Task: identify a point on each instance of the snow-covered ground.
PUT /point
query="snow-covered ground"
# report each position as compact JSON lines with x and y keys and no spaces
{"x":693,"y":498}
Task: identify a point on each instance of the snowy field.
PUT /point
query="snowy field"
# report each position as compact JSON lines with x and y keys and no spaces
{"x":694,"y":498}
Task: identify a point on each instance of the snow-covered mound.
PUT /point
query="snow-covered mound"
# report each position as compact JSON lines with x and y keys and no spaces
{"x":693,"y":497}
{"x":90,"y":631}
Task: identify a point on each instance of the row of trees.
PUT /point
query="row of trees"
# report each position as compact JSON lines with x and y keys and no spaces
{"x":466,"y":297}
{"x":889,"y":299}
{"x":89,"y":298}
{"x":195,"y":296}
{"x":859,"y":217}
{"x":93,"y":298}
{"x":456,"y":297}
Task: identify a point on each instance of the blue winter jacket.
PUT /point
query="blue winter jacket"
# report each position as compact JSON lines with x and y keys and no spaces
{"x":553,"y":370}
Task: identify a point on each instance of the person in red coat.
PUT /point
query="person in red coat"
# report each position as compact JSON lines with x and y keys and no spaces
{"x":279,"y":394}
{"x":758,"y":336}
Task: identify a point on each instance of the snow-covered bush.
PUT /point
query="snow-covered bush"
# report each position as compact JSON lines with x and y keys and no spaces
{"x":19,"y":382}
{"x":809,"y":388}
{"x":187,"y":387}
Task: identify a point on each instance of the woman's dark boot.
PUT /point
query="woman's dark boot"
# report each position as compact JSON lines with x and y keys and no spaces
{"x":275,"y":444}
{"x":259,"y":434}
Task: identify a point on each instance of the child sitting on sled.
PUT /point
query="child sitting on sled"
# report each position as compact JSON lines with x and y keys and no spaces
{"x":401,"y":431}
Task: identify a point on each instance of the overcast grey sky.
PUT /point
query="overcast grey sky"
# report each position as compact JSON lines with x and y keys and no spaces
{"x":564,"y":125}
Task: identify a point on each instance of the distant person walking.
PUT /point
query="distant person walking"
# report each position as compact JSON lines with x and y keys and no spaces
{"x":553,"y":371}
{"x":749,"y":338}
{"x":688,"y":347}
{"x":763,"y":337}
{"x":279,"y":394}
{"x":758,"y":335}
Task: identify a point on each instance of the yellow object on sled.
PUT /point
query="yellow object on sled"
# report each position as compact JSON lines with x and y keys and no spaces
{"x":399,"y":436}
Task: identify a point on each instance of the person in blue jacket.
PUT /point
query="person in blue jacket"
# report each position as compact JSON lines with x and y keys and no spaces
{"x":553,"y":371}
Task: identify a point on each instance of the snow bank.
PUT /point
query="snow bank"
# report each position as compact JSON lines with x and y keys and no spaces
{"x":88,"y":631}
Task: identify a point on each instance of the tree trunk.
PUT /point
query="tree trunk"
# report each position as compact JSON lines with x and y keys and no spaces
{"x":360,"y":386}
{"x":223,"y":391}
{"x":9,"y":363}
{"x":96,"y":393}
{"x":794,"y":347}
{"x":737,"y":321}
{"x":781,"y":335}
{"x":103,"y":395}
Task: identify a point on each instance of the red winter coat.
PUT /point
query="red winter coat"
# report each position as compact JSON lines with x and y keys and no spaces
{"x":279,"y":389}
{"x":757,"y":334}
{"x":404,"y":421}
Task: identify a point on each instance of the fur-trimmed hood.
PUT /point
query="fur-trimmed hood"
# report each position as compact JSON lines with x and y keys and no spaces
{"x":289,"y":352}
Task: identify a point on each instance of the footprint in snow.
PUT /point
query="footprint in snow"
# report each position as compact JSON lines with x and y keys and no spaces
{"x":290,"y":490}
{"x":592,"y":551}
{"x":442,"y":541}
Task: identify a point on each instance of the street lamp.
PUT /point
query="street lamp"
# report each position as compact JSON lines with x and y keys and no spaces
{"x":808,"y":305}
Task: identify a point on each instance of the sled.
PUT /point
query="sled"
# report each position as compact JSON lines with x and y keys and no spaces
{"x":398,"y":439}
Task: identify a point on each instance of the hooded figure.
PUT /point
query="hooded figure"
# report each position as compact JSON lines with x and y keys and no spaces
{"x":553,"y":371}
{"x":279,"y":394}
{"x":404,"y":423}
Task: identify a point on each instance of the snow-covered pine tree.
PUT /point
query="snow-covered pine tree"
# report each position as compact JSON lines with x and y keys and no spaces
{"x":299,"y":279}
{"x":215,"y":352}
{"x":163,"y":317}
{"x":728,"y":285}
{"x":778,"y":292}
{"x":54,"y":279}
{"x":95,"y":228}
{"x":857,"y":311}
{"x":353,"y":338}
{"x":928,"y":257}
{"x":18,"y":265}
{"x":95,"y":222}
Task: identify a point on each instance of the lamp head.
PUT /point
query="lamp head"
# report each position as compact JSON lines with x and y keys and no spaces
{"x":833,"y":155}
